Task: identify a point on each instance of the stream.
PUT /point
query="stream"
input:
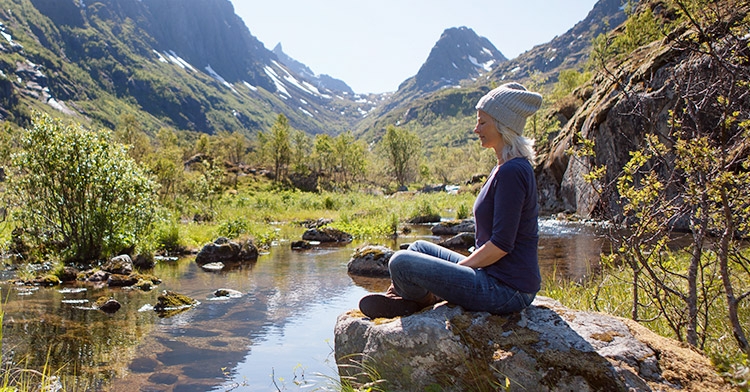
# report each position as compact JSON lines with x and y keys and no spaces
{"x":276,"y":336}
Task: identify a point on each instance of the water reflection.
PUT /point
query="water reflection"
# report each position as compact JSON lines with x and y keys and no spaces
{"x":277,"y":336}
{"x":568,"y":250}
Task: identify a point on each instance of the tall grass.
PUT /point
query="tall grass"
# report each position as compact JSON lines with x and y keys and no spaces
{"x":267,"y":215}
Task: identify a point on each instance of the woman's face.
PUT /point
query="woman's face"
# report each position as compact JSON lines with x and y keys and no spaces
{"x":488,"y":134}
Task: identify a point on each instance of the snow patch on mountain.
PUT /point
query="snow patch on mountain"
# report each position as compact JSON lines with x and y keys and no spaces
{"x":284,"y":93}
{"x":179,"y":61}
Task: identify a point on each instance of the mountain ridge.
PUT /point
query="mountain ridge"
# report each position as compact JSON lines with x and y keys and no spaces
{"x":424,"y":113}
{"x":199,"y":68}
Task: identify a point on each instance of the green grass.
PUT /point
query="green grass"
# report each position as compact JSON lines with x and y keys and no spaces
{"x":267,"y":214}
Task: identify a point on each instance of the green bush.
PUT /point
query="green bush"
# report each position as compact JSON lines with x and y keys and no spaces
{"x":167,"y":237}
{"x":233,"y":228}
{"x":78,"y":194}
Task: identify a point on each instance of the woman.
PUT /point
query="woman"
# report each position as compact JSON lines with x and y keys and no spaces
{"x":502,"y":274}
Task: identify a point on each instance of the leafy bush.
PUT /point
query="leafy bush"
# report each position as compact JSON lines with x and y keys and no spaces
{"x":79,"y":194}
{"x":233,"y":228}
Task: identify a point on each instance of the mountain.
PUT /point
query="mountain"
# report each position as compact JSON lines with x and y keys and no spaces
{"x":442,"y":112}
{"x":321,"y":81}
{"x":194,"y":65}
{"x":567,"y":51}
{"x":187,"y":65}
{"x":458,"y":55}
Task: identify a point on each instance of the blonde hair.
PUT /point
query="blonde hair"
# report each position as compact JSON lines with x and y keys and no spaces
{"x":516,"y":146}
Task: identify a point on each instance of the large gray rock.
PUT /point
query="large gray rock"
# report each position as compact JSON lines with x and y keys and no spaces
{"x":547,"y":347}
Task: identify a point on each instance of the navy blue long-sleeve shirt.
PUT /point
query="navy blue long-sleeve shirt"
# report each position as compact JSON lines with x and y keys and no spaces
{"x":506,"y":213}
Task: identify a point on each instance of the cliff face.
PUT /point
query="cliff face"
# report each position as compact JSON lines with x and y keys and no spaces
{"x":673,"y":78}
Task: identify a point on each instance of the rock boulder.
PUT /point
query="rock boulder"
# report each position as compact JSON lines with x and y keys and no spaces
{"x":547,"y":347}
{"x":225,"y":251}
{"x":370,"y":260}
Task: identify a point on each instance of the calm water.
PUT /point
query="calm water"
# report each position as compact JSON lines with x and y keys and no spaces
{"x":277,"y":336}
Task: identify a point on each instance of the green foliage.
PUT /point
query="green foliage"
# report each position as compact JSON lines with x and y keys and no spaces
{"x":402,"y":149}
{"x":277,"y":146}
{"x":425,"y":212}
{"x":233,"y":228}
{"x":462,"y":212}
{"x":641,"y":28}
{"x":78,"y":193}
{"x":341,"y":160}
{"x":167,"y":237}
{"x":567,"y":81}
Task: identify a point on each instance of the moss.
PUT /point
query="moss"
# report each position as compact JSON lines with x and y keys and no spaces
{"x":607,"y":336}
{"x":365,"y":251}
{"x":48,"y":280}
{"x":172,"y":300}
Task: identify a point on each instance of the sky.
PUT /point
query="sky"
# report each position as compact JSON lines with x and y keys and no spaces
{"x":375,"y":45}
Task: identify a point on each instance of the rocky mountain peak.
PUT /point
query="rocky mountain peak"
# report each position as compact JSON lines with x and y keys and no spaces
{"x":459,"y":54}
{"x":321,"y":81}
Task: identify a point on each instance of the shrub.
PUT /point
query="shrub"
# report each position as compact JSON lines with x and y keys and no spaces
{"x":233,"y":228}
{"x":79,"y":194}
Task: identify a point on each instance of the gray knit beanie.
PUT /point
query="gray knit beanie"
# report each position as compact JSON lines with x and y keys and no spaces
{"x":510,"y":104}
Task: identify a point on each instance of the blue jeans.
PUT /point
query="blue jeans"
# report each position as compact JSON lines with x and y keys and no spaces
{"x":427,"y":267}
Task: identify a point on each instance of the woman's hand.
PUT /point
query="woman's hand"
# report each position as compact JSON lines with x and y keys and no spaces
{"x":486,"y":255}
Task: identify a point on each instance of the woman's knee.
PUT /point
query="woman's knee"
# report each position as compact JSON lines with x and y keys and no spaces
{"x":417,"y":245}
{"x":398,"y":259}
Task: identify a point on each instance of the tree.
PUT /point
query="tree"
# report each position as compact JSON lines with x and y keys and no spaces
{"x":78,"y":193}
{"x":301,"y":147}
{"x":130,"y":133}
{"x":277,"y":146}
{"x":402,"y":149}
{"x":350,"y":158}
{"x":693,"y":174}
{"x":323,"y":154}
{"x":232,"y":148}
{"x":166,"y":163}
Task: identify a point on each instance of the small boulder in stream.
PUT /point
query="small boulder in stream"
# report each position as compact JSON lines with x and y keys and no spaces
{"x":107,"y":305}
{"x":170,"y":303}
{"x":225,"y":251}
{"x":120,"y":265}
{"x":327,"y":234}
{"x":370,"y":261}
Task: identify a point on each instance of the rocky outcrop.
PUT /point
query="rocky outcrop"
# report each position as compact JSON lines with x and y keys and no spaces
{"x":370,"y":260}
{"x":326,"y":234}
{"x":648,"y":93}
{"x":547,"y":347}
{"x":453,"y":227}
{"x":225,"y":251}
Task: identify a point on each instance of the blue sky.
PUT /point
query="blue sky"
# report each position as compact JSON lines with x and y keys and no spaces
{"x":375,"y":45}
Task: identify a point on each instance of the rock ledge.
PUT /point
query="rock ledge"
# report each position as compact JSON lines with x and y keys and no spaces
{"x":547,"y":347}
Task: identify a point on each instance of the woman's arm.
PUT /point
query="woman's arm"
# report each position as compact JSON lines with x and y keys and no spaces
{"x":487,"y":254}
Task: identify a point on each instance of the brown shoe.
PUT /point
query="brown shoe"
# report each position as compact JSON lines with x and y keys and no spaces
{"x":390,"y":304}
{"x":379,"y":305}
